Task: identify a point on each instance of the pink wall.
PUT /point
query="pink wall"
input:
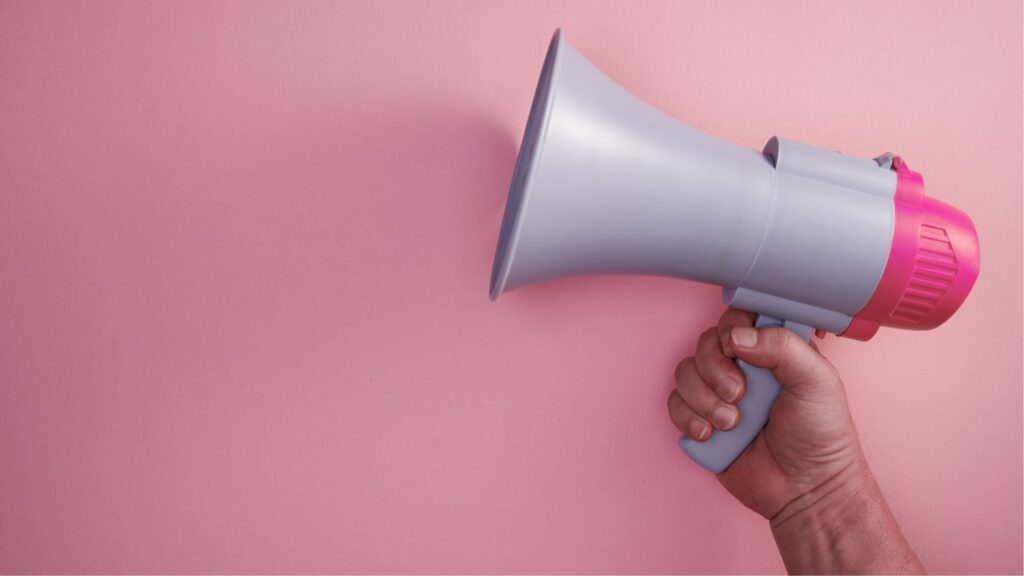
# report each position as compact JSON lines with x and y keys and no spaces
{"x":244,"y":253}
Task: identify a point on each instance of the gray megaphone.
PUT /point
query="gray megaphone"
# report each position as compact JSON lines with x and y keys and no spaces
{"x":806,"y":237}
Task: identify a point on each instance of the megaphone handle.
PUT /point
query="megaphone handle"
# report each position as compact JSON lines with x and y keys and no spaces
{"x":724,"y":446}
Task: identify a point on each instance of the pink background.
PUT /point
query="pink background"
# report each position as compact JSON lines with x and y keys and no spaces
{"x":244,"y":253}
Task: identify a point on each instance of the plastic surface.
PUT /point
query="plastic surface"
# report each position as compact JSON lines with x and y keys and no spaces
{"x":606,"y":184}
{"x":932,"y":265}
{"x":768,"y":304}
{"x":724,"y":446}
{"x":828,"y":231}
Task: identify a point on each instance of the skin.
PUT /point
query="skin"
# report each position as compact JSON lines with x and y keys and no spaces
{"x":805,"y":472}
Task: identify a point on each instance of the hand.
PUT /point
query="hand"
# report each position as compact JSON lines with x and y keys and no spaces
{"x":809,"y":438}
{"x":805,"y":470}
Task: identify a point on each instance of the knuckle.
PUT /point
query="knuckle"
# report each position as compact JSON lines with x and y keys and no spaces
{"x":699,"y":397}
{"x":723,"y":329}
{"x":693,"y":390}
{"x":709,"y":344}
{"x":705,"y":411}
{"x":680,"y":415}
{"x":727,"y":377}
{"x":723,"y":341}
{"x":715,"y":371}
{"x":737,"y":317}
{"x":788,"y":341}
{"x":684,"y":365}
{"x":683,"y":416}
{"x":713,"y":404}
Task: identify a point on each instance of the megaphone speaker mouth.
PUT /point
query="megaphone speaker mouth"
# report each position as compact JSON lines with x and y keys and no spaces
{"x":529,"y":153}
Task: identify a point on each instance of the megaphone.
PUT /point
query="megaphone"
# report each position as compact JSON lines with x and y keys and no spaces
{"x":807,"y":238}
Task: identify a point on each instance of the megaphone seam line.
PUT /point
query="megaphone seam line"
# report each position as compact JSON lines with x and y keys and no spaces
{"x":764,"y":228}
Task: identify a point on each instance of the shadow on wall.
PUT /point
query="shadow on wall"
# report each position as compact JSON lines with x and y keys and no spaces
{"x":415,"y":197}
{"x":393,"y":216}
{"x":435,"y":181}
{"x":391,"y":203}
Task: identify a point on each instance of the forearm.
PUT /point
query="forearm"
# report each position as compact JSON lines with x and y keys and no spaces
{"x":845,"y":526}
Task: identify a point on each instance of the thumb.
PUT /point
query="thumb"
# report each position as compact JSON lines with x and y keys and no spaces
{"x":796,"y":365}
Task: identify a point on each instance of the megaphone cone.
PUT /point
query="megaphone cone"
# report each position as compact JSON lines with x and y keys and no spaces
{"x":604,"y":183}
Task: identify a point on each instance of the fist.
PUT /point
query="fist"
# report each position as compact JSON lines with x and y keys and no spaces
{"x":809,"y":438}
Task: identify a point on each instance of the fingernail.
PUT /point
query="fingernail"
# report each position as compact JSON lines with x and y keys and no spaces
{"x":730,"y":389}
{"x":744,"y":337}
{"x":724,"y":416}
{"x":698,"y":430}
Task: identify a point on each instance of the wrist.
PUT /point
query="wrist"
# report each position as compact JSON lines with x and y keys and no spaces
{"x":843,"y":525}
{"x":829,"y":500}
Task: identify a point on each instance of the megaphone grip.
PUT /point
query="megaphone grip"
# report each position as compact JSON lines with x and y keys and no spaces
{"x":724,"y":446}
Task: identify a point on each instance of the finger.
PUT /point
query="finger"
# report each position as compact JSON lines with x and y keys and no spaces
{"x":795,"y":364}
{"x":714,"y":368}
{"x":686,"y":420}
{"x":701,"y":399}
{"x":731,"y":318}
